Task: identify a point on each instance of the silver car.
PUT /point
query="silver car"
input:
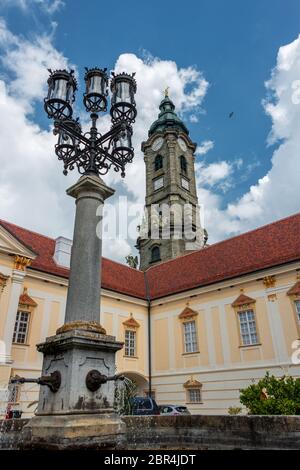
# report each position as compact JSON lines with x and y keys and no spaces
{"x":173,"y":410}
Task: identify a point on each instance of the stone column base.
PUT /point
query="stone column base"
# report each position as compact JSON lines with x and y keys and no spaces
{"x":74,"y":432}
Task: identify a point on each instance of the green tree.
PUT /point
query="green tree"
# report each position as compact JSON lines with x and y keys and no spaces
{"x":272,"y":396}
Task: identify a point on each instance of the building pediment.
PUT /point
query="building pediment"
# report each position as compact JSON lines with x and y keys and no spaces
{"x":192,"y":383}
{"x":131,"y":322}
{"x":243,"y":300}
{"x":295,"y":290}
{"x":187,"y":313}
{"x":12,"y":246}
{"x":25,"y":300}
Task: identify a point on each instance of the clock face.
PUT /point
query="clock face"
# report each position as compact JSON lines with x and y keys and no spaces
{"x":182,"y":144}
{"x":157,"y":143}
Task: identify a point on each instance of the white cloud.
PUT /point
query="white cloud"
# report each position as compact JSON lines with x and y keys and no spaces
{"x":31,"y":181}
{"x":49,"y":6}
{"x":193,"y":118}
{"x":213,"y":173}
{"x":276,"y":194}
{"x":204,"y":147}
{"x":153,"y":76}
{"x":28,"y":63}
{"x":32,"y":186}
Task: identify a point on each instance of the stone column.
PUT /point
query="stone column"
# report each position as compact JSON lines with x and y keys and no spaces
{"x":83,"y":301}
{"x":79,"y":412}
{"x":17,"y":278}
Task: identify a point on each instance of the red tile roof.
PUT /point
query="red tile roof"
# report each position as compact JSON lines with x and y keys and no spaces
{"x":115,"y":276}
{"x":271,"y":245}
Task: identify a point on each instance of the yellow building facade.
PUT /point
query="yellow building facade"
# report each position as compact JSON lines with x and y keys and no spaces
{"x":192,"y":342}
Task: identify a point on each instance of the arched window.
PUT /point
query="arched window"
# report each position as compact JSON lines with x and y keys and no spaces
{"x":183,"y":163}
{"x":158,"y":162}
{"x":155,"y":253}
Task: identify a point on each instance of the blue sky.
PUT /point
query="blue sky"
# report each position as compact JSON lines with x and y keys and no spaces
{"x":233,"y":44}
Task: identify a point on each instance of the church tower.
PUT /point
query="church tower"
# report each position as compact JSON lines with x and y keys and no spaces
{"x":171,"y":225}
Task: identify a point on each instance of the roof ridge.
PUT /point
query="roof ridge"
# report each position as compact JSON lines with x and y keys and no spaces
{"x":28,"y":230}
{"x":121,"y":264}
{"x":257,"y":229}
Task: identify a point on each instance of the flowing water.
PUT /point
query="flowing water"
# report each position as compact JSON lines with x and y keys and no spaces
{"x":124,"y":391}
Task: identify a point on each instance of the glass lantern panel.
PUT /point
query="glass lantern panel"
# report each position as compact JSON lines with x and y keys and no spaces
{"x":60,"y":90}
{"x":123,"y":92}
{"x":124,"y":140}
{"x":65,"y":139}
{"x":96,"y":84}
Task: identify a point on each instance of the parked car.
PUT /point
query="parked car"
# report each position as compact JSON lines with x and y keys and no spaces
{"x":173,"y":410}
{"x":144,"y":406}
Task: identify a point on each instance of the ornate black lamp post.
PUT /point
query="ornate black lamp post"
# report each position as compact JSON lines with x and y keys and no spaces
{"x":93,"y":154}
{"x":76,"y":405}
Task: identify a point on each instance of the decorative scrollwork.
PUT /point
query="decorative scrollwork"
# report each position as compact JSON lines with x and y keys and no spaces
{"x":92,"y":152}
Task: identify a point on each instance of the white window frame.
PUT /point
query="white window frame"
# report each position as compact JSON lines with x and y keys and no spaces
{"x":130,"y":343}
{"x":21,"y":329}
{"x":158,"y":183}
{"x":194,"y":395}
{"x":185,"y":184}
{"x":248,"y":333}
{"x":297,"y":307}
{"x":190,"y":336}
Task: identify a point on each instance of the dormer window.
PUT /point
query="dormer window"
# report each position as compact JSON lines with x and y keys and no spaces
{"x":183,"y":164}
{"x":158,"y":162}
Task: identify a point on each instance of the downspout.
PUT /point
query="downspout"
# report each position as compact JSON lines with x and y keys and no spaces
{"x":149,"y":333}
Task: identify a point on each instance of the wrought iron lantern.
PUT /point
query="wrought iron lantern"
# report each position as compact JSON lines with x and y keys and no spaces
{"x":122,"y":146}
{"x":96,"y":90}
{"x":61,"y":89}
{"x":123,"y":87}
{"x":68,"y":142}
{"x":92,"y":152}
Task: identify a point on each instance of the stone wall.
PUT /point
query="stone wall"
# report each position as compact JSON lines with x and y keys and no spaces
{"x":192,"y":432}
{"x":213,"y":432}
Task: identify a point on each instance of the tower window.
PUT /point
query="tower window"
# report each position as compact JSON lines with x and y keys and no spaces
{"x":183,"y":164}
{"x":155,"y":254}
{"x":158,"y":162}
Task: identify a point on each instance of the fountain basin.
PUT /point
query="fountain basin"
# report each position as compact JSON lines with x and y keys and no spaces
{"x":197,"y":432}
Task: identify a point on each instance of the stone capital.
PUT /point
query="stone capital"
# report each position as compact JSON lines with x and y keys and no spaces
{"x":21,"y":263}
{"x":90,"y":186}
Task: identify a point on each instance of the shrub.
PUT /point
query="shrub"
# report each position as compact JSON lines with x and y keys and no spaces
{"x":272,"y":396}
{"x":234,"y":410}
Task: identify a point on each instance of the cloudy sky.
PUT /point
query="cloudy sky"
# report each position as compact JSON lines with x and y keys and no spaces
{"x":216,"y":57}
